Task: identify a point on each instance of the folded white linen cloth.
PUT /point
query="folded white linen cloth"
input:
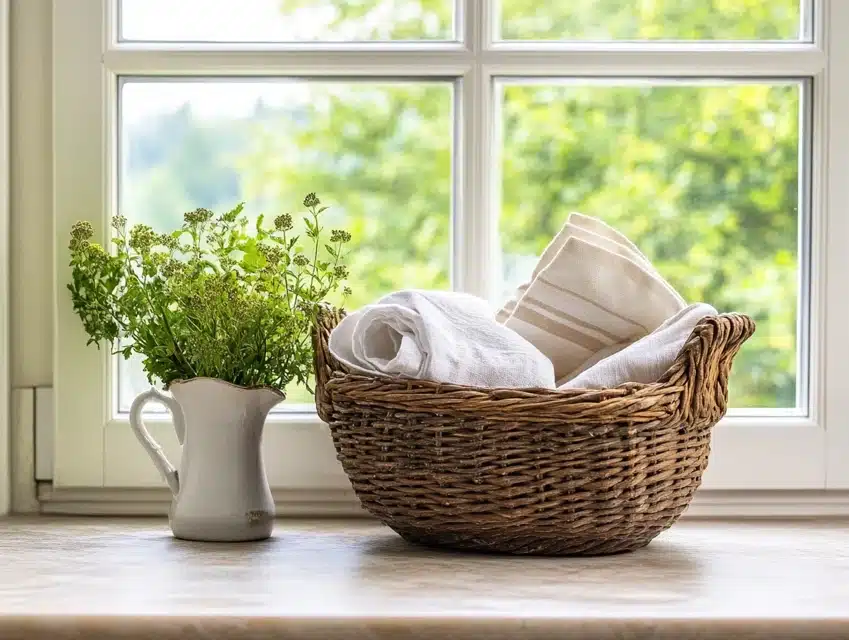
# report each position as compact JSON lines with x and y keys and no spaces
{"x":591,"y":230}
{"x":587,"y":299}
{"x":442,"y":336}
{"x":645,"y":360}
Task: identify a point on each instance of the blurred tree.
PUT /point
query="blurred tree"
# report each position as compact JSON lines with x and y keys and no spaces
{"x":703,"y":177}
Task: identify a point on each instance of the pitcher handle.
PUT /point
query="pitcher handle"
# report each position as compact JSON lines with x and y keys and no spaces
{"x":154,"y":450}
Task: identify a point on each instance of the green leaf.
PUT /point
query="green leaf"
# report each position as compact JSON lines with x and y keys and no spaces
{"x":310,"y":227}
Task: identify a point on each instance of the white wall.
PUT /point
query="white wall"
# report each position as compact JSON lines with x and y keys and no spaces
{"x":30,"y":253}
{"x":5,"y":459}
{"x":31,"y":195}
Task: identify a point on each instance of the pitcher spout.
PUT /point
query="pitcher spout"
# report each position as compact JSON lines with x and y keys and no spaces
{"x":201,"y":390}
{"x":268,"y":398}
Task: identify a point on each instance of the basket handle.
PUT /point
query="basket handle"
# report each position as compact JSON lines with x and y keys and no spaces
{"x":325,"y":363}
{"x":704,"y":364}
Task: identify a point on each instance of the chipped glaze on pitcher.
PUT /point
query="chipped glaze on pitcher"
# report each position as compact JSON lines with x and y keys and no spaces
{"x":220,"y":491}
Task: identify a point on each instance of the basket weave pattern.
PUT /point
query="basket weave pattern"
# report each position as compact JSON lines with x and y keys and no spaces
{"x":530,"y":471}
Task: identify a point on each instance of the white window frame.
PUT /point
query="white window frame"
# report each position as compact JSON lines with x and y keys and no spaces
{"x":754,"y":450}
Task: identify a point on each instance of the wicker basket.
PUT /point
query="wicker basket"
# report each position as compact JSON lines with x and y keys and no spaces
{"x":530,"y":471}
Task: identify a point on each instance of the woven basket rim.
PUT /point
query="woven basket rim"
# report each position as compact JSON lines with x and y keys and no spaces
{"x":341,"y":374}
{"x":691,"y":380}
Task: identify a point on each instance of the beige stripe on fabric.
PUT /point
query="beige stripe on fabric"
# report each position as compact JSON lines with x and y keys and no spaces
{"x":504,"y":313}
{"x":573,"y":320}
{"x":593,"y":303}
{"x":558,"y":329}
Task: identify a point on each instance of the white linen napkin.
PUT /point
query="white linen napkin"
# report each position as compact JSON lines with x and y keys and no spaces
{"x":591,"y":296}
{"x":645,"y":360}
{"x":441,"y":336}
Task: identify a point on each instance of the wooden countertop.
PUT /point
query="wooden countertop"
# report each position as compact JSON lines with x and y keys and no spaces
{"x":128,"y":578}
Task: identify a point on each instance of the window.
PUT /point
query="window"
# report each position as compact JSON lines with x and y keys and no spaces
{"x":185,"y":144}
{"x":692,"y":170}
{"x":288,"y":21}
{"x":454,"y":138}
{"x":656,"y":20}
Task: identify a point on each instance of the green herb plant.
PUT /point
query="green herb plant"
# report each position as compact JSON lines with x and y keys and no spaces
{"x":211,"y":299}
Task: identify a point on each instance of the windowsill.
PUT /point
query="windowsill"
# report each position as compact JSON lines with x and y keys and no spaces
{"x":97,"y":577}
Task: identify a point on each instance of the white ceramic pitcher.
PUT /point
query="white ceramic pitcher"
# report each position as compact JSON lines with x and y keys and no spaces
{"x":220,"y":491}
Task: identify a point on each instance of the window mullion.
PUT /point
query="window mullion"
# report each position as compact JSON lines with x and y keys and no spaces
{"x":474,"y":222}
{"x":682,"y":61}
{"x":811,"y":20}
{"x":430,"y":63}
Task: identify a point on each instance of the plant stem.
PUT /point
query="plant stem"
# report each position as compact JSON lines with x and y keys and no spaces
{"x":313,"y":211}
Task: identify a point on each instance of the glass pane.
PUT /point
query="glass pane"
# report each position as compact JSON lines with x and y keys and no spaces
{"x":379,"y":153}
{"x":286,"y":20}
{"x":651,"y":20}
{"x":703,"y":178}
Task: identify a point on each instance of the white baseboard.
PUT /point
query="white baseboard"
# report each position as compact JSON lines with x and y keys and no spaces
{"x":156,"y":502}
{"x":769,"y":504}
{"x":45,"y":430}
{"x":22,"y":459}
{"x":342,"y":503}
